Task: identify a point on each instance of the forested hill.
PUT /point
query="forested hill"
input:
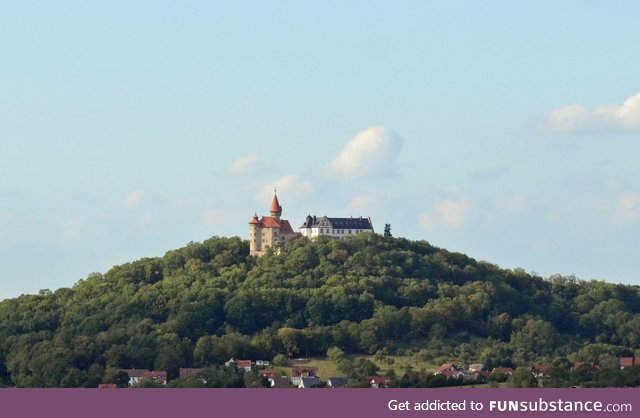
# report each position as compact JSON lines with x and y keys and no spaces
{"x":207,"y":302}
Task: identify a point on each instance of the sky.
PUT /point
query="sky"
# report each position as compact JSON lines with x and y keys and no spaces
{"x":509,"y":131}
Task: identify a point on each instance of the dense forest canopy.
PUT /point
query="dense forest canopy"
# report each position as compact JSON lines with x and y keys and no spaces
{"x":204,"y":303}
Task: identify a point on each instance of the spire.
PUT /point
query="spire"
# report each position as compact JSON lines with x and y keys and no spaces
{"x":254,"y":220}
{"x":276,"y":209}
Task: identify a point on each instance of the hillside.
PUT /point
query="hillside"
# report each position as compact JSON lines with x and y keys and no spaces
{"x":207,"y":302}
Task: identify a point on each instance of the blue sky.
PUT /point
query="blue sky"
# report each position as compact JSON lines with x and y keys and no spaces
{"x":504,"y":130}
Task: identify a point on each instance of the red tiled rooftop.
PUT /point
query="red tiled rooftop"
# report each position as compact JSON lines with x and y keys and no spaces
{"x":626,"y":361}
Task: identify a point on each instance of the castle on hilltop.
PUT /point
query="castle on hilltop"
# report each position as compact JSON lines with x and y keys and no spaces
{"x":272,"y":231}
{"x":269,"y":231}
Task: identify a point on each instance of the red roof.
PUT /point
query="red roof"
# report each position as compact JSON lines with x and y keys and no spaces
{"x":275,"y":205}
{"x":269,"y":373}
{"x":626,"y":361}
{"x":286,"y":227}
{"x":482,"y":373}
{"x":107,"y":386}
{"x":542,"y":368}
{"x":254,"y":220}
{"x":303,"y":371}
{"x":378,"y":380}
{"x":271,"y":222}
{"x":244,"y":363}
{"x":134,"y":372}
{"x":586,"y":364}
{"x":156,"y":375}
{"x":447,"y":366}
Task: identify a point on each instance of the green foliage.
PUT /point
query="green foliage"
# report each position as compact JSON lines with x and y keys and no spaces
{"x":522,"y":378}
{"x":200,"y":305}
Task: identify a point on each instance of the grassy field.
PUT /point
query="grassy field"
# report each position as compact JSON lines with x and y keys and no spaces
{"x":402,"y":363}
{"x":327,"y":368}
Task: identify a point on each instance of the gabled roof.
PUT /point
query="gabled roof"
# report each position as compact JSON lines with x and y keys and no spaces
{"x":244,"y":363}
{"x":452,"y":373}
{"x":338,"y":223}
{"x":300,"y":371}
{"x":269,"y":373}
{"x":542,"y":368}
{"x":378,"y":380}
{"x":308,"y":382}
{"x":585,"y":364}
{"x":337,"y":381}
{"x":447,"y":367}
{"x":271,"y":222}
{"x":279,"y":382}
{"x":134,"y":372}
{"x":155,"y":375}
{"x":626,"y":361}
{"x":476,"y":367}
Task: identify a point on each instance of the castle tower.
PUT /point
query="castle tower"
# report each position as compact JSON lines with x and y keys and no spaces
{"x":270,"y":231}
{"x":276,"y":209}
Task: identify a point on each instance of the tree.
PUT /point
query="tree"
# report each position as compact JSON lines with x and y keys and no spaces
{"x":387,"y":230}
{"x":522,"y":378}
{"x":335,"y":354}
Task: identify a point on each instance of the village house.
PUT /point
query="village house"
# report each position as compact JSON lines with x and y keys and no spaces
{"x":378,"y":382}
{"x":137,"y":375}
{"x":541,"y":370}
{"x":584,"y":365}
{"x":337,"y":382}
{"x":476,"y":367}
{"x":246,"y":365}
{"x":279,"y":382}
{"x":309,"y":382}
{"x":160,"y":377}
{"x":297,"y":373}
{"x":625,"y":362}
{"x":448,"y":367}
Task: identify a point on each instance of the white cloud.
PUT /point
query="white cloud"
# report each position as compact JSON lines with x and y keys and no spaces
{"x":133,"y":199}
{"x":247,"y":165}
{"x":449,"y":213}
{"x":4,"y":221}
{"x":362,"y":202}
{"x":74,"y":229}
{"x":626,"y":208}
{"x":604,"y":118}
{"x":290,"y":186}
{"x":371,"y":153}
{"x":516,"y":203}
{"x":221,"y":218}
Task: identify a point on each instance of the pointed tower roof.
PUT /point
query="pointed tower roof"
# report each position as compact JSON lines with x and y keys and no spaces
{"x":275,"y":205}
{"x":254,"y":220}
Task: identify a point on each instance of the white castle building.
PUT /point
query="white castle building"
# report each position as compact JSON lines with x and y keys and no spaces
{"x":315,"y":226}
